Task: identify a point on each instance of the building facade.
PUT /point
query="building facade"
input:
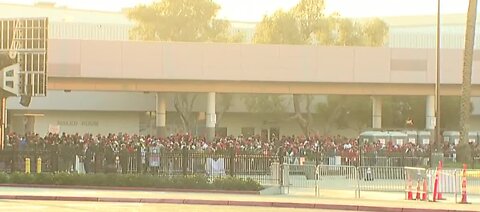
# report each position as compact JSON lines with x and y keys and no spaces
{"x":130,"y":112}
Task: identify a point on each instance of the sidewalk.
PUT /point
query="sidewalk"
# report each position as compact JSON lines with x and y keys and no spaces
{"x":56,"y":194}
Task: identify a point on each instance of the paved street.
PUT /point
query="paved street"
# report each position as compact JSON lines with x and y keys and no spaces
{"x":51,"y":206}
{"x":382,"y":202}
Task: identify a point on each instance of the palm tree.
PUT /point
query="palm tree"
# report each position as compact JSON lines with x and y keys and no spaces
{"x":465,"y":152}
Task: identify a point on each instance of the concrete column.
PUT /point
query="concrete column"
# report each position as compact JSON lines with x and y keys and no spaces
{"x":160,"y":115}
{"x":430,"y":113}
{"x":3,"y":121}
{"x":376,"y":112}
{"x":211,"y":117}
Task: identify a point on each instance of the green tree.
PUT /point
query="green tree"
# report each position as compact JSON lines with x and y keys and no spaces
{"x":310,"y":16}
{"x":398,"y":109}
{"x":180,"y":20}
{"x":183,"y":103}
{"x":359,"y":112}
{"x":304,"y":117}
{"x":450,"y":107}
{"x":464,"y":153}
{"x":375,"y":32}
{"x":307,"y":23}
{"x":265,"y":103}
{"x":224,"y":102}
{"x":280,"y":28}
{"x":341,"y":111}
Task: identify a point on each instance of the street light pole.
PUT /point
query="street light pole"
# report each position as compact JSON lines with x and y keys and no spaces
{"x":437,"y":84}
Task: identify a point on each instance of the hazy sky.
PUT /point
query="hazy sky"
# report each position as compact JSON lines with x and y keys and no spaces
{"x":253,"y":10}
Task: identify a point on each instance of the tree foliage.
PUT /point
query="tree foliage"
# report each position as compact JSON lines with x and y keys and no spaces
{"x":280,"y":28}
{"x":450,"y":109}
{"x":187,"y":21}
{"x":183,"y":103}
{"x":180,"y":20}
{"x":265,"y":103}
{"x":345,"y":112}
{"x":224,"y":101}
{"x":305,"y":119}
{"x":307,"y":23}
{"x":398,"y":109}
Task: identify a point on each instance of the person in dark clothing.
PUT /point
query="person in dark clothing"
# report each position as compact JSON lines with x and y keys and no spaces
{"x":99,"y":158}
{"x":110,"y":159}
{"x":281,"y":154}
{"x":69,"y":156}
{"x":53,"y":149}
{"x":124,"y":158}
{"x":89,"y":155}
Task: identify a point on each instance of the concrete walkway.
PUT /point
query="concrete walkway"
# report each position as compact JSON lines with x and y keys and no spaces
{"x":56,"y":194}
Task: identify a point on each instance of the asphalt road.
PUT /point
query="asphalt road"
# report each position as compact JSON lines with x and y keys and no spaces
{"x":51,"y":206}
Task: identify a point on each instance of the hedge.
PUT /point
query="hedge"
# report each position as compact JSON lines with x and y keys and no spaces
{"x":130,"y":180}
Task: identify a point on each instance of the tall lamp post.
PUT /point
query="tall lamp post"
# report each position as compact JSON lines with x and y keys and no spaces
{"x":437,"y":132}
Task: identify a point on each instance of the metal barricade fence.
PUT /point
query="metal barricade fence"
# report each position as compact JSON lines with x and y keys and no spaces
{"x":300,"y":179}
{"x":170,"y":164}
{"x":301,"y":176}
{"x":132,"y":164}
{"x":448,"y":181}
{"x":11,"y":161}
{"x":476,"y":162}
{"x":343,"y":179}
{"x":473,"y":181}
{"x":381,"y":178}
{"x":394,"y":161}
{"x":390,"y":161}
{"x":258,"y":167}
{"x":322,"y":179}
{"x":414,"y":180}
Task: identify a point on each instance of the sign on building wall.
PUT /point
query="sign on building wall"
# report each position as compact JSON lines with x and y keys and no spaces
{"x":53,"y":128}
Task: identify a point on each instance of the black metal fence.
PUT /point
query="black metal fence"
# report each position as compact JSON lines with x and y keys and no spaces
{"x":211,"y":165}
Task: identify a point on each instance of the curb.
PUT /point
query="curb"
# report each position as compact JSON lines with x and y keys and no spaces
{"x":130,"y":189}
{"x":224,"y":203}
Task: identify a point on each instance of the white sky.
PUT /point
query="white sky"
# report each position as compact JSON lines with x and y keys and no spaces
{"x":253,"y":10}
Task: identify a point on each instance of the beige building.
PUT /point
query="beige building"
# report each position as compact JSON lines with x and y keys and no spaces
{"x":136,"y":111}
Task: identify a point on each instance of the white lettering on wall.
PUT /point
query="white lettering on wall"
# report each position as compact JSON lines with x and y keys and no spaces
{"x":77,"y":123}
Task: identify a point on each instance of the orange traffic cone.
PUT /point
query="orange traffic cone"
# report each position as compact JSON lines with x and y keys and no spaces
{"x":464,"y":185}
{"x":409,"y":191}
{"x":440,"y":169}
{"x":425,"y":190}
{"x":440,"y":196}
{"x":417,"y":197}
{"x":435,"y":187}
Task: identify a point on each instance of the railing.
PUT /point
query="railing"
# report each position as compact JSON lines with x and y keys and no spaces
{"x":212,"y":165}
{"x":297,"y":175}
{"x":381,"y":178}
{"x":387,"y":161}
{"x":327,"y":179}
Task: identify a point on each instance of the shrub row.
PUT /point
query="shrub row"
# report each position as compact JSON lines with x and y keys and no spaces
{"x":130,"y":180}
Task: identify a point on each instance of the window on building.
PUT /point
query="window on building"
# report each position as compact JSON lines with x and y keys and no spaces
{"x":10,"y":73}
{"x":9,"y":84}
{"x":264,"y":135}
{"x":248,"y":131}
{"x":274,"y":132}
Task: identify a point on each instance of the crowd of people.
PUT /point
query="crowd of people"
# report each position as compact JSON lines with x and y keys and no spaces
{"x":106,"y":150}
